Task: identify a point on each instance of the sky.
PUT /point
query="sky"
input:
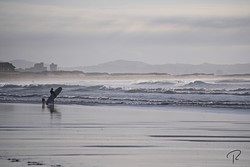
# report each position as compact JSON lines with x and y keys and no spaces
{"x":90,"y":32}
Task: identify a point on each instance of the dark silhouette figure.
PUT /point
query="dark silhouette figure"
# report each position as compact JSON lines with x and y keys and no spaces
{"x":54,"y":113}
{"x":53,"y":95}
{"x":43,"y":102}
{"x":52,"y":92}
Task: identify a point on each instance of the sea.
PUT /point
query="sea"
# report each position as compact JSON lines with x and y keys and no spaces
{"x":222,"y":93}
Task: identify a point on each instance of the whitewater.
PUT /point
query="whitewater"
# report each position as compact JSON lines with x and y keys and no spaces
{"x":225,"y":93}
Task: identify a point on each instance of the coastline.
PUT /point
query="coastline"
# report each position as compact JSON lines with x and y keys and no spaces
{"x":78,"y":135}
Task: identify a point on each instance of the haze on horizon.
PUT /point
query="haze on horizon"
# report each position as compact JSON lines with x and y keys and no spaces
{"x":87,"y":32}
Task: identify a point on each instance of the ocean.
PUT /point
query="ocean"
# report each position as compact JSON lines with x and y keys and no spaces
{"x":216,"y":92}
{"x":110,"y":121}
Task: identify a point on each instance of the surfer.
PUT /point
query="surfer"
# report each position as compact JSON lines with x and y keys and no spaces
{"x":53,"y":95}
{"x":52,"y":92}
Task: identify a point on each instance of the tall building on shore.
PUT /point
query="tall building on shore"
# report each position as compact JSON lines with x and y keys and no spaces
{"x":53,"y":67}
{"x":38,"y":67}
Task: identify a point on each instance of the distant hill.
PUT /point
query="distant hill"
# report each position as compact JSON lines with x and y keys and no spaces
{"x":123,"y":66}
{"x":119,"y":66}
{"x":19,"y":63}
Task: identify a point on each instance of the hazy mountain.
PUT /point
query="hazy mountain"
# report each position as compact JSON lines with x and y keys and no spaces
{"x":22,"y":63}
{"x":119,"y":66}
{"x":123,"y":66}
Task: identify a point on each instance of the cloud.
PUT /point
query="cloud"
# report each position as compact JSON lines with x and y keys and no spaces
{"x":204,"y":22}
{"x":135,"y":25}
{"x":39,"y":18}
{"x":96,"y":33}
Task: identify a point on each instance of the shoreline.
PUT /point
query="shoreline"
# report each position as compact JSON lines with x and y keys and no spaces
{"x":242,"y":108}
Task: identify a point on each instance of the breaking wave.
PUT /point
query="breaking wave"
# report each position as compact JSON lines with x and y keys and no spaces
{"x":155,"y":83}
{"x":222,"y":93}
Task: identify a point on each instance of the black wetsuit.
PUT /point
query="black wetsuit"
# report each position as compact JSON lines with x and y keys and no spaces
{"x":52,"y":92}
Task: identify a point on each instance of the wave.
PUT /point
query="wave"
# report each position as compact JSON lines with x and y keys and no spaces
{"x":155,"y":83}
{"x":34,"y":86}
{"x":197,"y":93}
{"x":87,"y":94}
{"x":91,"y":100}
{"x":88,"y":88}
{"x":76,"y":88}
{"x":198,"y":84}
{"x":241,"y":89}
{"x":44,"y":89}
{"x":233,"y":81}
{"x":240,"y":92}
{"x":5,"y":95}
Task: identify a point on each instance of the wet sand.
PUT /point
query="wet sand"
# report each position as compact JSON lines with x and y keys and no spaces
{"x":122,"y":136}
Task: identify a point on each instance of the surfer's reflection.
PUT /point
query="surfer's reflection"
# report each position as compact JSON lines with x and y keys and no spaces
{"x":43,"y":103}
{"x":54,"y":113}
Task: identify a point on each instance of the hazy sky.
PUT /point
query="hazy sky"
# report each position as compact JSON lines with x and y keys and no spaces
{"x":89,"y":32}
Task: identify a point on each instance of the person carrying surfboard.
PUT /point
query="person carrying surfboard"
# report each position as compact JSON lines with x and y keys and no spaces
{"x":53,"y":95}
{"x":52,"y":92}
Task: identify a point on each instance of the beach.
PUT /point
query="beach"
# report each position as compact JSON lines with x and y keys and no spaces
{"x":122,"y":136}
{"x":107,"y":83}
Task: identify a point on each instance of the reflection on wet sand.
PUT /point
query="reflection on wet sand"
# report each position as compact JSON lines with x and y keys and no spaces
{"x":75,"y":135}
{"x":54,"y":113}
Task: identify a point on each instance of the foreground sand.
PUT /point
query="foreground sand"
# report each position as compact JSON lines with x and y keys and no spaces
{"x":112,"y":136}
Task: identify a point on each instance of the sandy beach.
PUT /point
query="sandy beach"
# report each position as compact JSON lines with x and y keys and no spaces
{"x":122,"y":136}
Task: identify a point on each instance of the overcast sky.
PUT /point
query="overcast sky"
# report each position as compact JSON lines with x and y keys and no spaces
{"x":89,"y":32}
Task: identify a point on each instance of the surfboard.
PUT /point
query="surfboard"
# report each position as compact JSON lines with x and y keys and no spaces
{"x":53,"y":96}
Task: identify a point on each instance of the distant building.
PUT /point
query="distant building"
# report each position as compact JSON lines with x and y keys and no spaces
{"x":38,"y":67}
{"x":6,"y":67}
{"x":53,"y":67}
